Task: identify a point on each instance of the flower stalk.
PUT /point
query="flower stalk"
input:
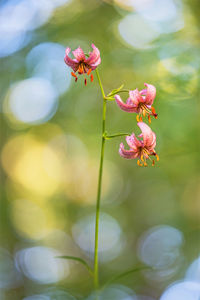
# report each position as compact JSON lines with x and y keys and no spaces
{"x":142,"y":149}
{"x":103,"y":139}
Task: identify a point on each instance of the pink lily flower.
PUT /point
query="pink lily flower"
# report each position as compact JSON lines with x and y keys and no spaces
{"x":139,"y":102}
{"x":82,"y":64}
{"x":141,"y":149}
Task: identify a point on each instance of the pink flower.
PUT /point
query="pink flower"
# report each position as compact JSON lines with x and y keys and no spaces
{"x":82,"y":64}
{"x":139,"y":102}
{"x":141,"y":149}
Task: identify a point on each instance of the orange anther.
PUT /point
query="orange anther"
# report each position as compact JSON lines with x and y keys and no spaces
{"x":149,"y":118}
{"x":157,"y":157}
{"x":90,"y":70}
{"x":138,"y":118}
{"x":139,"y":163}
{"x":153,"y":163}
{"x":76,"y":79}
{"x":153,"y":110}
{"x":73,"y":74}
{"x":145,"y":164}
{"x":144,"y":113}
{"x":91,"y":77}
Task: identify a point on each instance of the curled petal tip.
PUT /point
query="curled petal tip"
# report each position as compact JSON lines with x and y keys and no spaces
{"x":148,"y":135}
{"x":124,"y":106}
{"x":128,"y":154}
{"x":150,"y":93}
{"x":67,"y":51}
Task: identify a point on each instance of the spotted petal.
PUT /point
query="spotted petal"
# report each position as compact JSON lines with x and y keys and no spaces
{"x":128,"y":154}
{"x":69,"y":61}
{"x":124,"y":106}
{"x":153,"y":145}
{"x":149,"y":137}
{"x":133,"y":142}
{"x":79,"y":54}
{"x":94,"y":58}
{"x":136,"y":97}
{"x":150,"y":94}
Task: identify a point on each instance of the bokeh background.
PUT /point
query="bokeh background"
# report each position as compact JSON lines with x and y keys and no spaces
{"x":50,"y":146}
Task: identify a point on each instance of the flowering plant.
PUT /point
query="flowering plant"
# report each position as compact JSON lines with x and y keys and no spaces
{"x":142,"y":149}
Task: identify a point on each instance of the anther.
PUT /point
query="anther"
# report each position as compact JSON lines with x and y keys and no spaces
{"x":153,"y":163}
{"x":91,"y":77}
{"x":157,"y":157}
{"x":149,"y":118}
{"x":76,"y":79}
{"x":85,"y":81}
{"x":90,"y":70}
{"x":73,"y":74}
{"x":144,"y":113}
{"x":138,"y":118}
{"x":154,"y":112}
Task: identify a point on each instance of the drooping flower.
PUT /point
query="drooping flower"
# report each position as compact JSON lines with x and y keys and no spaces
{"x":139,"y":102}
{"x":140,"y":148}
{"x":81,"y":63}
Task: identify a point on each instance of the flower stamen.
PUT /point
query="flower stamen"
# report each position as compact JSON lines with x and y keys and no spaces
{"x":88,"y":73}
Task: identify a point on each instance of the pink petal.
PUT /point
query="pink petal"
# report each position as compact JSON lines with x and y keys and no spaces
{"x":150,"y":94}
{"x":79,"y":54}
{"x":70,"y":62}
{"x":95,"y":65}
{"x":94,"y":58}
{"x":153,"y":145}
{"x":128,"y":154}
{"x":136,"y":97}
{"x":147,"y":134}
{"x":143,"y":92}
{"x":124,"y":106}
{"x":133,"y":142}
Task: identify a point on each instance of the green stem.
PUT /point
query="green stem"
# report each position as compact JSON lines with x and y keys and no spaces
{"x":108,"y":137}
{"x":123,"y":91}
{"x":96,"y":262}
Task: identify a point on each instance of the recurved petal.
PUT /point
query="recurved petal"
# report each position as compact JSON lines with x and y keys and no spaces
{"x":153,"y":145}
{"x":128,"y":154}
{"x":133,"y":142}
{"x":148,"y":135}
{"x":69,"y":61}
{"x":94,"y":58}
{"x":124,"y":106}
{"x":150,"y":94}
{"x":143,"y":92}
{"x":136,"y":97}
{"x":79,"y":54}
{"x":95,"y":65}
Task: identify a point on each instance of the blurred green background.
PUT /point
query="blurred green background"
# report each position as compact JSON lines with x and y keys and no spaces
{"x":50,"y":135}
